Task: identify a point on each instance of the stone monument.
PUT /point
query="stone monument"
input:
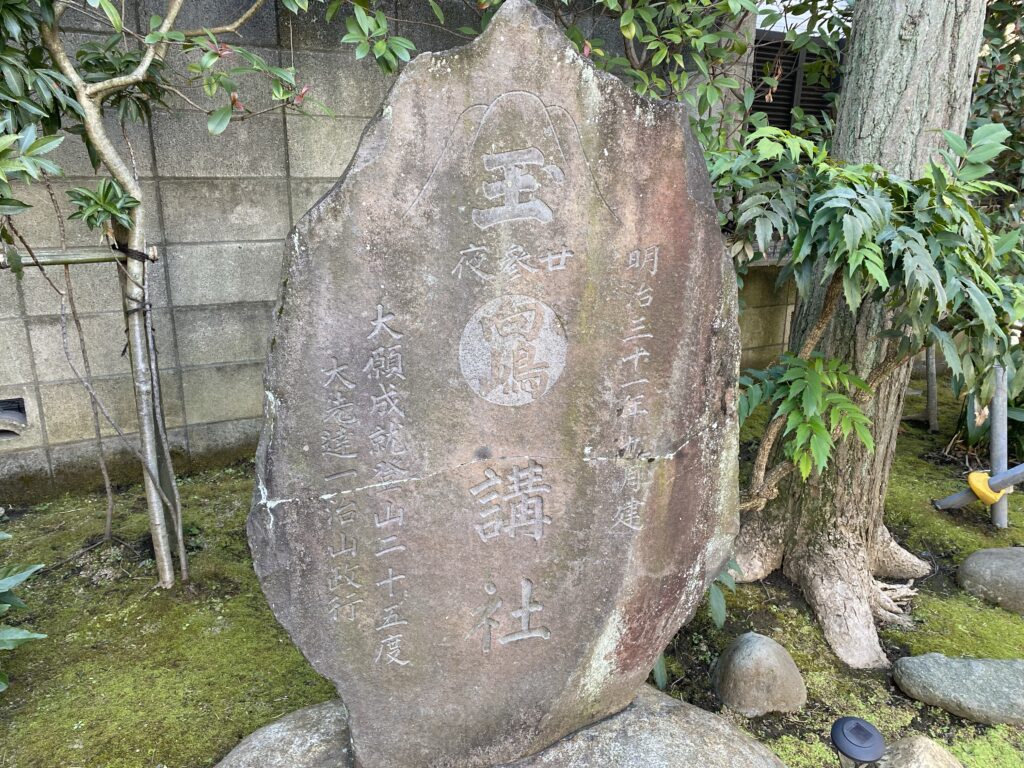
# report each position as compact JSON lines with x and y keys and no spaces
{"x":498,"y":468}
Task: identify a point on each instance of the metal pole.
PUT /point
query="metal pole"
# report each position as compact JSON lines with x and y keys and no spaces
{"x":997,"y":444}
{"x":46,"y":258}
{"x":933,"y":390}
{"x":1003,"y":480}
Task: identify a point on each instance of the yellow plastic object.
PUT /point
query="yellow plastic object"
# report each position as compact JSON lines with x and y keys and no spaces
{"x":978,"y":481}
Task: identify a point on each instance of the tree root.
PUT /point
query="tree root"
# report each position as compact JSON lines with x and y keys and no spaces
{"x":891,"y":561}
{"x":843,"y":600}
{"x":890,"y":603}
{"x":758,"y":549}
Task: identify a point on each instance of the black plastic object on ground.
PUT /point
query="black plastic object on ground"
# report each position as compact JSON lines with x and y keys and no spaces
{"x":857,"y":740}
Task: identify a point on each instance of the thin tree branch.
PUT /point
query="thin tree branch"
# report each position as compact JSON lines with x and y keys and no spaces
{"x":86,"y":366}
{"x":31,"y":254}
{"x":137,"y":75}
{"x":231,"y":28}
{"x":180,"y":94}
{"x":103,"y":409}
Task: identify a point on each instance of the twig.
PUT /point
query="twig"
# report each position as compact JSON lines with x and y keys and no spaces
{"x":233,"y":27}
{"x":72,"y":558}
{"x":182,"y":95}
{"x":86,"y":366}
{"x":28,"y":249}
{"x":161,"y":431}
{"x":106,"y":414}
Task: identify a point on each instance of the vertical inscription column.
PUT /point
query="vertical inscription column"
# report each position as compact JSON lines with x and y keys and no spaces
{"x":641,"y":265}
{"x":389,"y":446}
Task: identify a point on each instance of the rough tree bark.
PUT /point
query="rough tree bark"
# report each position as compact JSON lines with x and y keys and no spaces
{"x":909,"y":69}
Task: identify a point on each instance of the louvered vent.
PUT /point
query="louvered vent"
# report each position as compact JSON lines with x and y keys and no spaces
{"x":773,"y":58}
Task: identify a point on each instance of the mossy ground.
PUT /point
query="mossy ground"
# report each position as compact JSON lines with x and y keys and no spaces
{"x":132,"y":677}
{"x":947,"y":621}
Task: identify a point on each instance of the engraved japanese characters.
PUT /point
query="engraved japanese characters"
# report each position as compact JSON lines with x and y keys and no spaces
{"x":498,"y":465}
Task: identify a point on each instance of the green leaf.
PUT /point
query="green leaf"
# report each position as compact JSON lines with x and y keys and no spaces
{"x":660,"y":673}
{"x":9,"y":206}
{"x":10,"y":582}
{"x":984,"y":153}
{"x":716,"y":605}
{"x":804,"y":465}
{"x":865,"y":435}
{"x":820,"y":448}
{"x":12,"y":637}
{"x":853,"y":230}
{"x":1006,"y":242}
{"x":112,"y":14}
{"x":218,"y":120}
{"x":437,"y":10}
{"x":974,"y":171}
{"x":763,"y":231}
{"x":956,"y":143}
{"x":11,"y":599}
{"x":989,"y":133}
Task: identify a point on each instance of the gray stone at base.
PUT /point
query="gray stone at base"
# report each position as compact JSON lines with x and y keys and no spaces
{"x":314,"y":737}
{"x":755,"y":675}
{"x":996,"y":575}
{"x":656,"y":731}
{"x":987,"y":691}
{"x":917,"y":752}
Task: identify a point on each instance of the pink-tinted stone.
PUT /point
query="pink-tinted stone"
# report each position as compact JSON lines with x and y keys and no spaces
{"x":499,"y":463}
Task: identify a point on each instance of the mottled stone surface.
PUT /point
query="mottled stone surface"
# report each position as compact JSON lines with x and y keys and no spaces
{"x":656,"y":731}
{"x":499,"y":462}
{"x":917,"y":752}
{"x":314,"y":737}
{"x":987,"y":691}
{"x":755,"y":675}
{"x":996,"y":575}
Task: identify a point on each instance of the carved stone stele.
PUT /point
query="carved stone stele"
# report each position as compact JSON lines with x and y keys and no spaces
{"x":499,"y":462}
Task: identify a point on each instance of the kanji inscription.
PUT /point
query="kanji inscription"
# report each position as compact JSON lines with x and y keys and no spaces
{"x":497,"y":470}
{"x":512,"y":350}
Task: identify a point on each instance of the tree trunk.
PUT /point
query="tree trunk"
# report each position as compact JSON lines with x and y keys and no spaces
{"x":909,"y":69}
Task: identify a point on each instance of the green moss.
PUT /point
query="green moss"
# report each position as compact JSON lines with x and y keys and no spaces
{"x":961,"y":625}
{"x":946,"y":620}
{"x":132,"y":676}
{"x":998,"y":747}
{"x":917,"y":477}
{"x":798,"y":752}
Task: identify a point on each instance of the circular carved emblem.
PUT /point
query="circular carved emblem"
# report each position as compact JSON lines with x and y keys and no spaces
{"x":512,"y":350}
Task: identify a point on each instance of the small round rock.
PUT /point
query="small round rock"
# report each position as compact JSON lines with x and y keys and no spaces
{"x":917,"y":752}
{"x":996,"y":575}
{"x":755,"y":675}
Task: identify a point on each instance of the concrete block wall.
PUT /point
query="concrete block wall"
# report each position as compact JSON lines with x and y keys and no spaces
{"x":219,"y":209}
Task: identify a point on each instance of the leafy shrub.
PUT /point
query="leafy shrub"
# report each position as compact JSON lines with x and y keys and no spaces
{"x":10,"y":577}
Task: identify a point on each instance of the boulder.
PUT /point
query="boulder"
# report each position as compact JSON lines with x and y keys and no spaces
{"x":655,"y":731}
{"x":987,"y":691}
{"x":498,"y":468}
{"x":755,"y":675}
{"x":314,"y":737}
{"x":996,"y":575}
{"x":917,"y":752}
